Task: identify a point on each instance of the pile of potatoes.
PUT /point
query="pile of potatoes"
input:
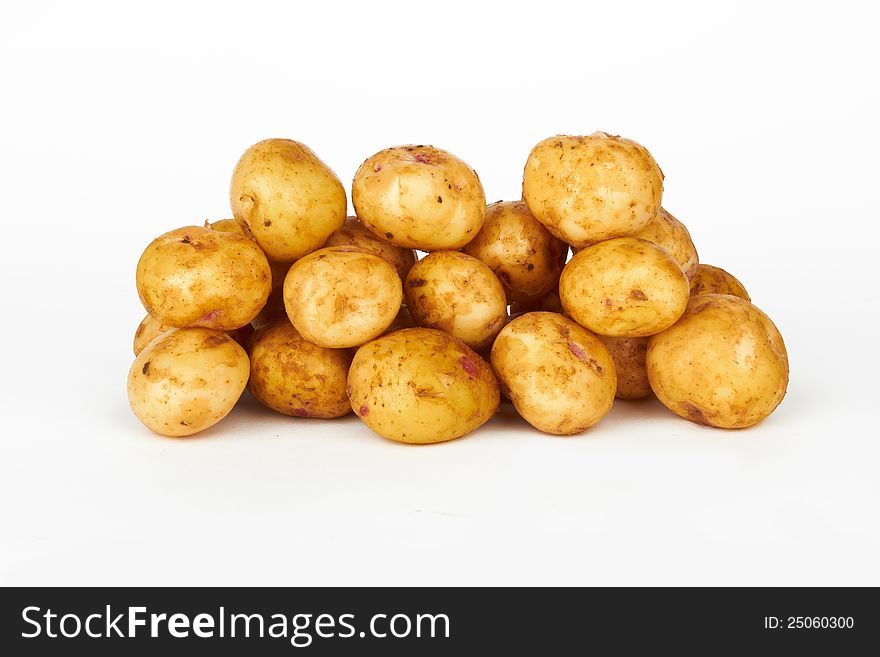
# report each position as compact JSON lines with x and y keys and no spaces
{"x":318,"y":314}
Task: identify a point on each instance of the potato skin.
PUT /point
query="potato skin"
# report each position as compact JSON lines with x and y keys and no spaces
{"x":558,"y":375}
{"x":295,"y":377}
{"x":629,"y":356}
{"x":354,"y":233}
{"x":592,"y":188}
{"x":714,"y":280}
{"x":419,"y":197}
{"x":147,"y":331}
{"x":421,"y":386}
{"x":458,"y":294}
{"x":723,"y":364}
{"x":624,"y":287}
{"x":525,"y":257}
{"x":287,"y":198}
{"x":187,"y":380}
{"x":668,"y":232}
{"x":196,"y":276}
{"x":342,"y":296}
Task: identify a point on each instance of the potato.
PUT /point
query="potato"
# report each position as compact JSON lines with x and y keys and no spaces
{"x":287,"y":198}
{"x":226,"y":226}
{"x":558,"y":375}
{"x":421,"y":385}
{"x":549,"y":303}
{"x":624,"y":287}
{"x":525,"y":257}
{"x":668,"y":232}
{"x":588,"y":189}
{"x":419,"y":197}
{"x":723,"y":364}
{"x":295,"y":377}
{"x":187,"y":380}
{"x":629,"y":355}
{"x":714,"y":280}
{"x":456,"y":293}
{"x":342,"y":296}
{"x":147,"y":331}
{"x":353,"y":233}
{"x":197,"y":276}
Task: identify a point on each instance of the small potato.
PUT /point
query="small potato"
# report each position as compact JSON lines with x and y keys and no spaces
{"x":295,"y":377}
{"x":287,"y":198}
{"x":342,"y":296}
{"x":714,"y":280}
{"x":419,"y":197}
{"x":629,"y":363}
{"x":558,"y":375}
{"x":420,"y":385}
{"x":226,"y":226}
{"x":354,"y":233}
{"x":456,"y":293}
{"x":624,"y":287}
{"x":525,"y":257}
{"x":197,"y":276}
{"x":588,"y":189}
{"x":187,"y":380}
{"x":668,"y":232}
{"x":147,"y":331}
{"x":723,"y":364}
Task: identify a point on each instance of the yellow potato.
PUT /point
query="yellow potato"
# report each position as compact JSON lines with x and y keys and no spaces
{"x":342,"y":296}
{"x":354,"y":233}
{"x":714,"y":280}
{"x":287,"y":198}
{"x":588,"y":189}
{"x":722,"y":364}
{"x":295,"y":377}
{"x":419,"y":197}
{"x":558,"y":375}
{"x":629,"y":363}
{"x":523,"y":254}
{"x":420,"y":385}
{"x":147,"y":331}
{"x":456,"y":293}
{"x":668,"y":232}
{"x":226,"y":226}
{"x":187,"y":380}
{"x":624,"y":287}
{"x":197,"y":276}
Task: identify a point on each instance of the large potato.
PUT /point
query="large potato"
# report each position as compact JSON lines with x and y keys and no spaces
{"x":147,"y":331}
{"x":354,"y":233}
{"x":624,"y":287}
{"x":588,"y":189}
{"x":558,"y":375}
{"x":287,"y":198}
{"x":668,"y":232}
{"x":419,"y":197}
{"x":342,"y":296}
{"x":722,"y":364}
{"x":714,"y":280}
{"x":629,"y":362}
{"x":523,"y":254}
{"x":456,"y":293}
{"x":187,"y":380}
{"x":420,"y":385}
{"x":295,"y":377}
{"x":196,"y":276}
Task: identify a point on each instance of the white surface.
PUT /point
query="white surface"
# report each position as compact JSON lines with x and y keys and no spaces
{"x":119,"y":124}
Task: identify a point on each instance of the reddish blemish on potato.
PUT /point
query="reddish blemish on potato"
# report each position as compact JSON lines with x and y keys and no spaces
{"x":638,"y":294}
{"x":424,"y":158}
{"x":210,"y":316}
{"x":607,"y":302}
{"x":579,"y":353}
{"x":301,"y":412}
{"x":364,"y":410}
{"x":377,"y":167}
{"x":469,"y":365}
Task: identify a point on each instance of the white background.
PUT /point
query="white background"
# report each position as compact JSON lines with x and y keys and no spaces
{"x":119,"y":123}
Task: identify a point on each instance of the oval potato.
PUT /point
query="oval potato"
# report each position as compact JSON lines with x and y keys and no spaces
{"x":147,"y":331}
{"x":354,"y":233}
{"x":714,"y":280}
{"x":668,"y":232}
{"x":629,"y":362}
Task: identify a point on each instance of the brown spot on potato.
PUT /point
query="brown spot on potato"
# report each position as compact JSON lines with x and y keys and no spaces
{"x":186,"y":240}
{"x":146,"y":367}
{"x":267,"y":222}
{"x":695,"y":414}
{"x":389,"y":235}
{"x":364,"y":410}
{"x":216,"y":340}
{"x":301,"y":412}
{"x":638,"y":294}
{"x":530,"y":266}
{"x":416,"y":282}
{"x":439,"y":199}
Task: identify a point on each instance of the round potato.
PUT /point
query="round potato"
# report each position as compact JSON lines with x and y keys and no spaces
{"x":629,"y":363}
{"x":456,"y":293}
{"x":419,"y":197}
{"x":287,"y":198}
{"x":342,"y":296}
{"x":723,"y":364}
{"x":147,"y":331}
{"x":558,"y":375}
{"x":420,"y":385}
{"x":353,"y":233}
{"x":525,"y":257}
{"x":668,"y":232}
{"x":714,"y":280}
{"x":196,"y":276}
{"x":588,"y":189}
{"x":295,"y":377}
{"x":624,"y":287}
{"x":187,"y":380}
{"x":226,"y":226}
